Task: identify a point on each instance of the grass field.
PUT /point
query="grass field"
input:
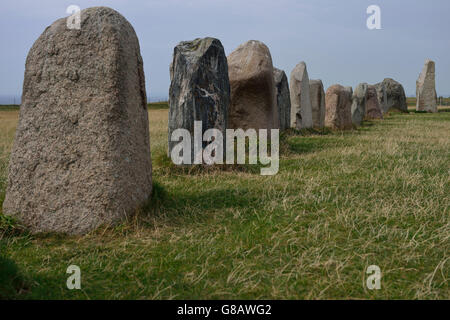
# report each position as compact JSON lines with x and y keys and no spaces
{"x":378,"y":195}
{"x":411,"y":101}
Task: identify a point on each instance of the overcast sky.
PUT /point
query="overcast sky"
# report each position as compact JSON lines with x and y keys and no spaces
{"x":331,"y":36}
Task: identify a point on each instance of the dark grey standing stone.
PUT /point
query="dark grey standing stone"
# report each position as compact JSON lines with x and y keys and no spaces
{"x":199,"y":89}
{"x":359,"y":103}
{"x":81,"y":156}
{"x":391,"y":95}
{"x":283,"y":98}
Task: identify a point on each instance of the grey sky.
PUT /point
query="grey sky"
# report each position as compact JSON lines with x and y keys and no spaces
{"x":329,"y":35}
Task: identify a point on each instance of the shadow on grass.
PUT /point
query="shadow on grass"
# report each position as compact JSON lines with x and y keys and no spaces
{"x":193,"y":200}
{"x":326,"y":139}
{"x":166,"y":166}
{"x":12,"y":283}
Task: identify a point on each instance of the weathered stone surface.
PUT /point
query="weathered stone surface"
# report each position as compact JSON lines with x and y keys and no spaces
{"x":426,"y":88}
{"x":338,"y":103}
{"x":373,"y":109}
{"x":253,"y":97}
{"x":283,"y":98}
{"x":199,"y":89}
{"x":391,"y":95}
{"x":317,"y":94}
{"x":359,"y":103}
{"x":349,"y":90}
{"x":301,"y":111}
{"x":81,"y":156}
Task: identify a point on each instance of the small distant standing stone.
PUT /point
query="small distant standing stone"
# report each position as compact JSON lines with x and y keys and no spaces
{"x":359,"y":103}
{"x":81,"y":156}
{"x":373,"y":108}
{"x":301,"y":110}
{"x":317,"y":94}
{"x":391,"y":95}
{"x":426,"y":89}
{"x":338,"y":103}
{"x":199,"y":89}
{"x":283,"y":98}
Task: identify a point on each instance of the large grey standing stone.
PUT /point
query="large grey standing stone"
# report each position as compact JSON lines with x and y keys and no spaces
{"x":426,"y":89}
{"x":283,"y":98}
{"x":359,"y":103}
{"x":199,"y":89}
{"x":253,"y":97}
{"x":81,"y":156}
{"x":338,"y":103}
{"x":301,"y":110}
{"x":391,"y":95}
{"x":317,"y":94}
{"x":373,"y":108}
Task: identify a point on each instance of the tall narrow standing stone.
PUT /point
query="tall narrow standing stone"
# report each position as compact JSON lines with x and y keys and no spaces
{"x":338,"y":103}
{"x":301,"y":111}
{"x":317,"y":94}
{"x":426,"y":89}
{"x":199,"y":89}
{"x":373,"y":108}
{"x":283,"y":98}
{"x":81,"y":156}
{"x":359,"y":103}
{"x":391,"y":95}
{"x":253,"y":97}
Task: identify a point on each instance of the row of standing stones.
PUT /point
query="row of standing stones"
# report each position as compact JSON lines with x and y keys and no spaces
{"x":245,"y":91}
{"x":81,"y":155}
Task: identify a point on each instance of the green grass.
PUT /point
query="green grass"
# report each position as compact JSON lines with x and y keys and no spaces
{"x":411,"y":101}
{"x":342,"y":201}
{"x":158,"y":105}
{"x":9,"y":107}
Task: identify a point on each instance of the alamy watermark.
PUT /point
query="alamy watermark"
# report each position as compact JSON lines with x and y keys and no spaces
{"x":374,"y":20}
{"x":74,"y":280}
{"x":373,"y":281}
{"x":73,"y":22}
{"x":189,"y":150}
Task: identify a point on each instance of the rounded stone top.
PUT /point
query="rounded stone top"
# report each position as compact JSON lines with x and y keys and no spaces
{"x":299,"y":71}
{"x":278,"y":74}
{"x":251,"y":47}
{"x":95,"y":16}
{"x":249,"y":60}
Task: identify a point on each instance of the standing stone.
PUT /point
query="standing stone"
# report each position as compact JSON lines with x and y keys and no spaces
{"x":81,"y":156}
{"x":317,"y":94}
{"x":199,"y":89}
{"x":359,"y":103}
{"x":283,"y":98}
{"x":349,"y":91}
{"x":338,"y":103}
{"x":426,"y":89}
{"x":391,"y":95}
{"x":253,"y":97}
{"x":373,"y":109}
{"x":301,"y":110}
